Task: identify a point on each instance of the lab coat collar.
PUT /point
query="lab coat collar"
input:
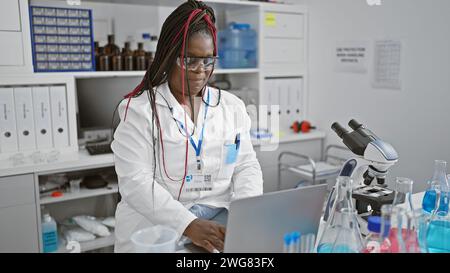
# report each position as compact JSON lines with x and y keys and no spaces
{"x":163,"y":91}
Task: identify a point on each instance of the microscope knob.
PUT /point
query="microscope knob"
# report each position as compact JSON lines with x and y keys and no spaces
{"x":367,"y":178}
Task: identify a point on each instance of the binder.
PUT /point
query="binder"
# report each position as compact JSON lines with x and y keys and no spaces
{"x":58,"y":105}
{"x":8,"y":130}
{"x":42,"y":117}
{"x":283,"y":93}
{"x":296,"y":93}
{"x":24,"y":118}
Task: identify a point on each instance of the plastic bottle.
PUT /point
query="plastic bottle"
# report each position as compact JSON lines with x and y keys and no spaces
{"x":150,"y":42}
{"x":237,"y":46}
{"x":374,"y":241}
{"x":429,"y":199}
{"x":49,"y":233}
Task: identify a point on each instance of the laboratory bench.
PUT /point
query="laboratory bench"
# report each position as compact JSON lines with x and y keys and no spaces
{"x":21,"y":201}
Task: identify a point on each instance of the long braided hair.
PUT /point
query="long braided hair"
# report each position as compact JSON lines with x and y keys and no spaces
{"x":191,"y":17}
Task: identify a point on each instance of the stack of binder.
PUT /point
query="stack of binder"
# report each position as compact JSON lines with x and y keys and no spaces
{"x":33,"y":118}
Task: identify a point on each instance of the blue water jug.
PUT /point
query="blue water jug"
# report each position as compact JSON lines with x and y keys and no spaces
{"x":237,"y":46}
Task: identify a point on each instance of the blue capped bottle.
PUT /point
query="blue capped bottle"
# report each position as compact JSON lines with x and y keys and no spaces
{"x":429,"y":199}
{"x":49,"y":233}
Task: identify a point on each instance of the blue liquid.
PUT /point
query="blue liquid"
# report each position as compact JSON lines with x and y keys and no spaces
{"x":438,"y":237}
{"x":429,"y":201}
{"x":328,"y":248}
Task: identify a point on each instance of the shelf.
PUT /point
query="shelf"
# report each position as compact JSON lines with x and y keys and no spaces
{"x":97,"y":243}
{"x":124,"y":74}
{"x":174,"y":3}
{"x":67,"y":161}
{"x":84,"y":193}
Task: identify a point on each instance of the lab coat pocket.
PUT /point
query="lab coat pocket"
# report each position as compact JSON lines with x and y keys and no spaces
{"x":229,"y":157}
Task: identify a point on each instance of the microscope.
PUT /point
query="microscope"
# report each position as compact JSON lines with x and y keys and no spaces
{"x":372,"y":160}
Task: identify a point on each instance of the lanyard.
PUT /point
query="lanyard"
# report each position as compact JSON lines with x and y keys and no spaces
{"x":198,"y":147}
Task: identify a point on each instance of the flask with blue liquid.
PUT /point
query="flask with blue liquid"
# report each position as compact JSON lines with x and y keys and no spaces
{"x":438,"y":229}
{"x":429,"y":200}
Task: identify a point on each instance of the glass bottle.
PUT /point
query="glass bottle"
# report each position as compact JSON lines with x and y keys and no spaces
{"x":97,"y":55}
{"x":127,"y":54}
{"x":116,"y":61}
{"x":139,"y":57}
{"x":104,"y":60}
{"x":403,"y":193}
{"x":111,"y":48}
{"x":429,"y":199}
{"x":343,"y":235}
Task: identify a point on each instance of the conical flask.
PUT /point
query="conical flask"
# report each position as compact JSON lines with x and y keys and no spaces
{"x":429,"y":199}
{"x":342,"y":201}
{"x":438,"y":230}
{"x":343,"y":235}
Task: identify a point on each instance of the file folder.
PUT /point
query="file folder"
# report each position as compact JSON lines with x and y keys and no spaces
{"x":60,"y":128}
{"x":42,"y":117}
{"x":8,"y":129}
{"x":24,"y":118}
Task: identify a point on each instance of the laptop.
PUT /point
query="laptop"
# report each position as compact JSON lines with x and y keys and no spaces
{"x":258,"y":224}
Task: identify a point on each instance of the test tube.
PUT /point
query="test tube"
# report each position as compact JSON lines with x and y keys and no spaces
{"x":295,"y":245}
{"x":307,"y":243}
{"x":287,"y":243}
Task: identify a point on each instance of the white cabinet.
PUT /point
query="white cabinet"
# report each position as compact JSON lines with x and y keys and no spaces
{"x":10,"y":16}
{"x":15,"y":41}
{"x":283,"y":25}
{"x":18,"y":224}
{"x":11,"y":46}
{"x":285,"y":52}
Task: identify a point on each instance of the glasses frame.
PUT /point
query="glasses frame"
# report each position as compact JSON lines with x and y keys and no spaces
{"x":205,"y":67}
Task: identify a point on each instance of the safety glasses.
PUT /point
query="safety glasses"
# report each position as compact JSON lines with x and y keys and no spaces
{"x":193,"y":63}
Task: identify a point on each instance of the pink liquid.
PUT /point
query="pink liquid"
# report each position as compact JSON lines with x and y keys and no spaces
{"x":411,"y":243}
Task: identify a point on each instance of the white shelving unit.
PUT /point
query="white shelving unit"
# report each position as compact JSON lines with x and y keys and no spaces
{"x":97,"y":243}
{"x":124,"y":74}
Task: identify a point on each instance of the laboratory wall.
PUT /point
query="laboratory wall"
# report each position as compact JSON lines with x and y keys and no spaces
{"x":415,"y":119}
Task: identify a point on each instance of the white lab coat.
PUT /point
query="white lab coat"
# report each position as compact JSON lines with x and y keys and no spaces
{"x":145,"y":203}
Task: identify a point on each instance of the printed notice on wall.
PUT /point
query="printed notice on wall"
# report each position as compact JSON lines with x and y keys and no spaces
{"x":351,"y":56}
{"x":387,"y":64}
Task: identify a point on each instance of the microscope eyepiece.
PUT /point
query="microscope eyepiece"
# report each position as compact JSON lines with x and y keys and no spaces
{"x":340,"y":131}
{"x":354,"y":124}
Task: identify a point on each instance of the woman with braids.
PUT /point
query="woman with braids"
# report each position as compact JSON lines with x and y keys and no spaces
{"x":182,"y":148}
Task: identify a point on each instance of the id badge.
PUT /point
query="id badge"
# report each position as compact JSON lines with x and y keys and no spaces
{"x":198,"y":182}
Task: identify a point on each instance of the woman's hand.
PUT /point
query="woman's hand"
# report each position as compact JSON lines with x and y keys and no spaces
{"x":207,"y":234}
